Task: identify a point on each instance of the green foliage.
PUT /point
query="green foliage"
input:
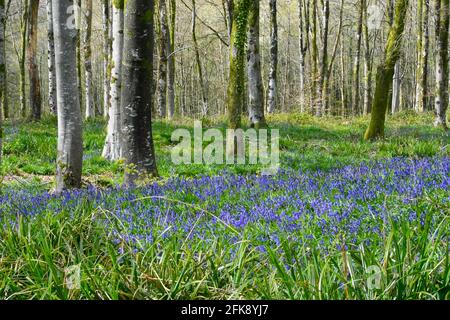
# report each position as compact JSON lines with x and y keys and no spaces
{"x":305,"y":141}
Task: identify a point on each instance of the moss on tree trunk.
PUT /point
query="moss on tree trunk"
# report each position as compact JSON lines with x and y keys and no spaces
{"x":385,"y":73}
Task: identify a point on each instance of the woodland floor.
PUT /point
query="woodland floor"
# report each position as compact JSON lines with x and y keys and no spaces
{"x":343,"y":219}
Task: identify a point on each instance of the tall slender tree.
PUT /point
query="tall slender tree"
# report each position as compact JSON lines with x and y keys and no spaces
{"x":22,"y":59}
{"x":171,"y":61}
{"x":52,"y":102}
{"x":236,"y":84}
{"x":4,"y":99}
{"x":33,"y":71}
{"x":137,"y":98}
{"x":442,"y":32}
{"x":113,"y":146}
{"x":87,"y":56}
{"x":423,"y":44}
{"x":385,"y":72}
{"x":2,"y":68}
{"x":272,"y":88}
{"x":70,"y":144}
{"x":255,"y":85}
{"x":164,"y":44}
{"x":198,"y":61}
{"x":303,"y":49}
{"x":367,"y":62}
{"x":356,"y":68}
{"x":107,"y":48}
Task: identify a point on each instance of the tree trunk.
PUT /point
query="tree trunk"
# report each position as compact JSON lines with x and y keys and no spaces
{"x":2,"y":67}
{"x":236,"y":85}
{"x":367,"y":63}
{"x":320,"y":106}
{"x":423,"y":44}
{"x":328,"y":67}
{"x":107,"y":35}
{"x":396,"y":88}
{"x":113,"y":145}
{"x":137,"y":94}
{"x":255,"y":85}
{"x":23,"y":31}
{"x":272,"y":88}
{"x":356,"y":68}
{"x":78,"y":18}
{"x":314,"y":56}
{"x":90,"y":109}
{"x":164,"y":43}
{"x":198,"y":62}
{"x":303,"y":48}
{"x":52,"y":102}
{"x":70,"y":144}
{"x":442,"y":30}
{"x":171,"y":62}
{"x":386,"y":72}
{"x":33,"y":71}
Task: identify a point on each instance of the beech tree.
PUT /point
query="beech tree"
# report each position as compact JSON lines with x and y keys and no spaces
{"x":255,"y":85}
{"x":236,"y":84}
{"x":164,"y":48}
{"x":2,"y":67}
{"x":107,"y":48}
{"x":87,"y":56}
{"x":137,"y":95}
{"x":113,"y":144}
{"x":423,"y":44}
{"x":272,"y":87}
{"x":385,"y":72}
{"x":52,"y":102}
{"x":442,"y":96}
{"x":70,"y":144}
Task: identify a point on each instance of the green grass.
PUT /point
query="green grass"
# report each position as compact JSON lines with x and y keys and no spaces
{"x":413,"y":257}
{"x":306,"y":142}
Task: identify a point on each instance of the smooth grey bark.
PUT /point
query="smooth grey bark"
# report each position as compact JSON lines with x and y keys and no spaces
{"x":303,"y":49}
{"x":107,"y":48}
{"x":255,"y":82}
{"x":356,"y":68}
{"x":22,"y":60}
{"x":113,"y":147}
{"x":321,"y":95}
{"x":87,"y":55}
{"x":423,"y":45}
{"x":70,"y":143}
{"x":33,"y":71}
{"x":367,"y":64}
{"x":137,"y":94}
{"x":52,"y":101}
{"x":171,"y":61}
{"x":396,"y":83}
{"x":442,"y":33}
{"x":273,"y":69}
{"x":164,"y":44}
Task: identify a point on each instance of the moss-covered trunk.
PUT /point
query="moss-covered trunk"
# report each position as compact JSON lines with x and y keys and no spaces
{"x":236,"y":85}
{"x":385,"y":73}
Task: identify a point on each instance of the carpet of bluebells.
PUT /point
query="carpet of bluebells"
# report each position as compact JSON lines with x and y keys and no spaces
{"x":290,"y":218}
